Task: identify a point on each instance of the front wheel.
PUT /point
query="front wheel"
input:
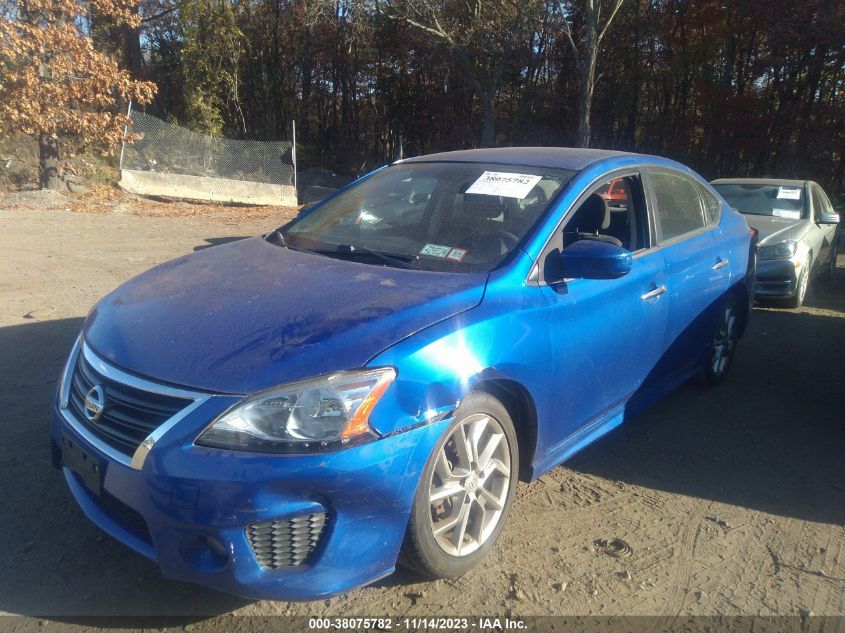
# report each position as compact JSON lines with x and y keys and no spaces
{"x":723,"y":344}
{"x":465,"y":491}
{"x":797,"y":300}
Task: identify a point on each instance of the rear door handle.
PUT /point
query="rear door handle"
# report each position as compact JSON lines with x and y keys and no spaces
{"x":720,"y":264}
{"x":653,"y":294}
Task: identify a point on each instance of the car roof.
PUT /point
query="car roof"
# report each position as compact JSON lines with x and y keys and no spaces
{"x":555,"y":157}
{"x":759,"y":181}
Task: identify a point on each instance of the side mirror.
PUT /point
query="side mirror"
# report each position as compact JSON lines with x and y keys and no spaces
{"x":828,"y":218}
{"x":595,"y":259}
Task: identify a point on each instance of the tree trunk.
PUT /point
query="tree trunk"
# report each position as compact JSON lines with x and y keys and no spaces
{"x":132,"y":50}
{"x":588,"y":73}
{"x":585,"y":100}
{"x":48,"y":163}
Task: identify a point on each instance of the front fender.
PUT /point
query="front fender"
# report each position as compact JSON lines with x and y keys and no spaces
{"x":504,"y":338}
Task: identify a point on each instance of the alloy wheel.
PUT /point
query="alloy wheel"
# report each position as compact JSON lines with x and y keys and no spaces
{"x":469,"y":485}
{"x":724,"y":341}
{"x":803,"y":280}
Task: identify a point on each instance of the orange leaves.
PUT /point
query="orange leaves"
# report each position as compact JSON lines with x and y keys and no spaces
{"x":68,"y":11}
{"x":54,"y":82}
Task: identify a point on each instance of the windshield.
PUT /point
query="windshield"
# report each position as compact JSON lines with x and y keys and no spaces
{"x":461,"y":217}
{"x":779,"y":201}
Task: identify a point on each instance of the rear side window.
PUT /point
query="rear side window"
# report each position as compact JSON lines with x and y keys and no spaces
{"x":712,"y":206}
{"x":679,"y":209}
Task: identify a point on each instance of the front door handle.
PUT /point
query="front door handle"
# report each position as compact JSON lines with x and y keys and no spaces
{"x":653,"y":294}
{"x":720,"y":264}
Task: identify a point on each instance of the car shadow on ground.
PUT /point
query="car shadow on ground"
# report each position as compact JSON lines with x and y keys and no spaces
{"x":769,"y":438}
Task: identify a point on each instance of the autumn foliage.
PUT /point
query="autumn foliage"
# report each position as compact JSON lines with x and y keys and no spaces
{"x":55,"y":86}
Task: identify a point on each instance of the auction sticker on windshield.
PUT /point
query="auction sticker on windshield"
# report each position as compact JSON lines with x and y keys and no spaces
{"x":789,"y":193}
{"x":499,"y":183}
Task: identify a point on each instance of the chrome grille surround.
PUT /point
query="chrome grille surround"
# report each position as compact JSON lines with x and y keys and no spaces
{"x":144,"y":412}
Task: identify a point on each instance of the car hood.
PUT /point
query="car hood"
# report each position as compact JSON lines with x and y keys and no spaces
{"x":773,"y":230}
{"x":249,"y":315}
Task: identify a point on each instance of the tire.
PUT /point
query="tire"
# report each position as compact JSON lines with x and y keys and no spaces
{"x":722,"y":347}
{"x":797,"y":300}
{"x":450,"y":552}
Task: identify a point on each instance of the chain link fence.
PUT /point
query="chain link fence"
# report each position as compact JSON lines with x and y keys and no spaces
{"x":171,"y":161}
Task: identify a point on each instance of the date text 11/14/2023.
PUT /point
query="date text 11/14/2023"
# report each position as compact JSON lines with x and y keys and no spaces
{"x":416,"y":623}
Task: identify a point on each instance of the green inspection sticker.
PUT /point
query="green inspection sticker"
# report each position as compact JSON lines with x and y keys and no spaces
{"x":435,"y":250}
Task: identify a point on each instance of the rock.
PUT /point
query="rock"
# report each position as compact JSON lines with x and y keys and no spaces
{"x":560,"y":586}
{"x":39,"y":313}
{"x":555,"y":549}
{"x":414,"y":596}
{"x":624,"y":575}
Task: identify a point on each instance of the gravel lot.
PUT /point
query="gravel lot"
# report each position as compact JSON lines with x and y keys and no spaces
{"x":732,"y":499}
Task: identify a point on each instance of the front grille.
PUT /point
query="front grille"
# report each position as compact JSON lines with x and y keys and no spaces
{"x":288,"y":542}
{"x":130,"y":414}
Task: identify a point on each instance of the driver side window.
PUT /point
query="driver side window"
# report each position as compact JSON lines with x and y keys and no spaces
{"x":614,"y":212}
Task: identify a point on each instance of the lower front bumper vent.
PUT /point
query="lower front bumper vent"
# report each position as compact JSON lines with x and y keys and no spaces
{"x":287,"y":542}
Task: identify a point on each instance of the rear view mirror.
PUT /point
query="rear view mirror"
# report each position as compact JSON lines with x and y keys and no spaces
{"x":595,"y":259}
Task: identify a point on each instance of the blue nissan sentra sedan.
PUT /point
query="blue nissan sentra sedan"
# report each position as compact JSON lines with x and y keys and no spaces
{"x":288,"y":416}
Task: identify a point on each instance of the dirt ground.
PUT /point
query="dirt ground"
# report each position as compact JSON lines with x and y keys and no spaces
{"x":732,"y":499}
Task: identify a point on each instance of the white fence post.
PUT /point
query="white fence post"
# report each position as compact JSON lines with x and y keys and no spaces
{"x":293,"y":158}
{"x":125,"y":130}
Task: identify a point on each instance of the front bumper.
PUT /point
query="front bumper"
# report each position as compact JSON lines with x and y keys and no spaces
{"x":189,"y":507}
{"x":777,"y":277}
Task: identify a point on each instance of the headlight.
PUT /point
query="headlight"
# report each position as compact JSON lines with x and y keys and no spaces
{"x":784,"y":250}
{"x":321,"y":413}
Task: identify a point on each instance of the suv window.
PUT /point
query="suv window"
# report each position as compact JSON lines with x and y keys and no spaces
{"x":679,"y":209}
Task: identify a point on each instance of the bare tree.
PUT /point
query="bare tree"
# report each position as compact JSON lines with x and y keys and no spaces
{"x":481,"y":36}
{"x":586,"y":50}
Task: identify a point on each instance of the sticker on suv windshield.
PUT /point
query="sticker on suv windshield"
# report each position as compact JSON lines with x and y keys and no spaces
{"x":500,"y":183}
{"x":789,"y":193}
{"x":786,"y":213}
{"x":435,"y":250}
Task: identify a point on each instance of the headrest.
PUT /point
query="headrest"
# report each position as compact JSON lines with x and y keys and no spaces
{"x":594,"y":215}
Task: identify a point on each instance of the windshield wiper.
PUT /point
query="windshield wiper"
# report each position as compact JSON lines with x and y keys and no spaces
{"x":392,"y":259}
